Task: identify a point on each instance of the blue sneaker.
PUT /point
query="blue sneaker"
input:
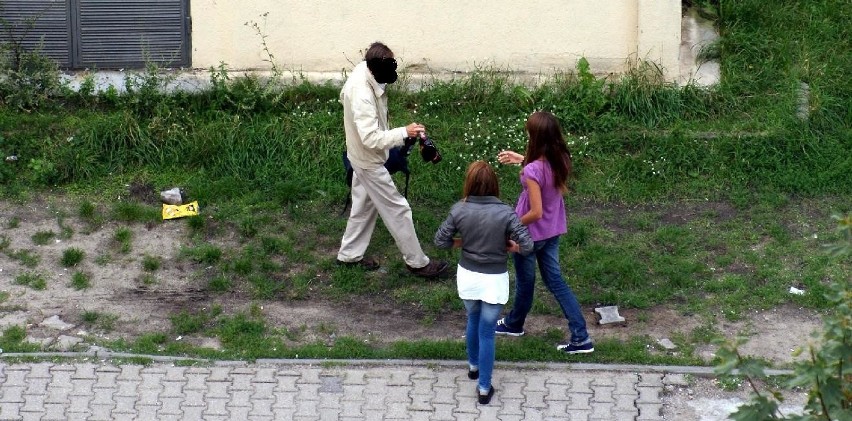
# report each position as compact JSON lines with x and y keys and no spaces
{"x":502,"y":329}
{"x":569,"y":348}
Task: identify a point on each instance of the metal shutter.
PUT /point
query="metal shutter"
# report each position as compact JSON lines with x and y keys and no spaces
{"x":50,"y":30}
{"x":131,"y":33}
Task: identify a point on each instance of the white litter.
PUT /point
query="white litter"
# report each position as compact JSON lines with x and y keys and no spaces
{"x":797,"y":291}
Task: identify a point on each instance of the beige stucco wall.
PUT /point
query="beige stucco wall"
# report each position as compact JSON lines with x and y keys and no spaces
{"x":440,"y":36}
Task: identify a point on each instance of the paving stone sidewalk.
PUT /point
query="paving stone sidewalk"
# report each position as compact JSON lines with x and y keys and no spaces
{"x":342,"y":390}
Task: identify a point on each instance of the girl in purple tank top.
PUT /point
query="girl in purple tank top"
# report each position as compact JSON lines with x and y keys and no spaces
{"x":546,"y":168}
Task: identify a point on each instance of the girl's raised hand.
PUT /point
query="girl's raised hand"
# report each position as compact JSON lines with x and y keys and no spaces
{"x":509,"y":157}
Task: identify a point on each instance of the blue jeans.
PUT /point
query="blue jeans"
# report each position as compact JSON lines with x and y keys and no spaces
{"x":479,"y":335}
{"x":546,"y":253}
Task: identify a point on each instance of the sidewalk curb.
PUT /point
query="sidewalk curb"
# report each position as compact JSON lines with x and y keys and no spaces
{"x":671,"y":369}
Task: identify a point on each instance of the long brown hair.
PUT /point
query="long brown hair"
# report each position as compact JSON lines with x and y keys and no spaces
{"x":480,"y":180}
{"x":545,"y":139}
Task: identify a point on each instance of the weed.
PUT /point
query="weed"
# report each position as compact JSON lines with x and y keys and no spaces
{"x":26,"y":257}
{"x":142,"y":361}
{"x":124,"y":237}
{"x":265,"y":287}
{"x":196,"y":223}
{"x":103,"y":259}
{"x":730,"y":383}
{"x":248,"y":227}
{"x":14,"y":222}
{"x":241,"y":331}
{"x":103,"y":321}
{"x":148,"y":279}
{"x":151,"y":263}
{"x":86,"y":211}
{"x":275,"y":245}
{"x":30,"y":78}
{"x":80,"y":280}
{"x":90,"y":316}
{"x":5,"y":242}
{"x":31,"y":279}
{"x":13,"y":339}
{"x":219,"y":283}
{"x":579,"y":233}
{"x":328,"y":365}
{"x":205,"y":253}
{"x":326,"y":329}
{"x":244,"y":264}
{"x":72,"y":257}
{"x":185,"y":323}
{"x":150,"y":343}
{"x":43,"y":237}
{"x":66,"y":232}
{"x":135,"y":212}
{"x":89,"y":213}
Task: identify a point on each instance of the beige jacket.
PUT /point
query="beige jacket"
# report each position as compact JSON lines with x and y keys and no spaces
{"x":365,"y":120}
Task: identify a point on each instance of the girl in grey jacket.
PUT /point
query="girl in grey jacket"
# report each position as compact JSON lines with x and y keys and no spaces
{"x":487,"y":230}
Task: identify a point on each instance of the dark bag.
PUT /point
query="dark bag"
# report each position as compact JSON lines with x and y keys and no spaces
{"x":397,"y":162}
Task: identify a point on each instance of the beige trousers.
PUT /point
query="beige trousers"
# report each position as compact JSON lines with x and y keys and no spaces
{"x":375,"y":194}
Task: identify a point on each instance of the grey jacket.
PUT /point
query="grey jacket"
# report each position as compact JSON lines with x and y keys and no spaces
{"x":484,"y":224}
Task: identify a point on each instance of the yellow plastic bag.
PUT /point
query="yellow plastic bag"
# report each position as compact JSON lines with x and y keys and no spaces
{"x":179,"y":211}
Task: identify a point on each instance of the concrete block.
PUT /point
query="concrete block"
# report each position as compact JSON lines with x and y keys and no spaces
{"x":609,"y":315}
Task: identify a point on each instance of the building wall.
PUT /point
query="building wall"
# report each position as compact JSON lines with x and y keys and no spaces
{"x":438,"y":36}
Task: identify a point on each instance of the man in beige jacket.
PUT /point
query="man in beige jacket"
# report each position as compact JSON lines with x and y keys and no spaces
{"x":368,"y":140}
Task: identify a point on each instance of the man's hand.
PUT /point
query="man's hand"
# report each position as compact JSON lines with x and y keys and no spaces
{"x":414,"y":129}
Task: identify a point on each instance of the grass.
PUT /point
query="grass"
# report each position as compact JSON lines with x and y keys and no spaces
{"x":13,"y":339}
{"x":80,"y":280}
{"x":72,"y":257}
{"x":102,"y":321}
{"x":135,"y":212}
{"x":206,"y":253}
{"x":13,"y":222}
{"x":712,"y":201}
{"x":33,"y":280}
{"x":27,"y":258}
{"x":43,"y":237}
{"x":88,"y":212}
{"x":123,"y":236}
{"x":151,"y":263}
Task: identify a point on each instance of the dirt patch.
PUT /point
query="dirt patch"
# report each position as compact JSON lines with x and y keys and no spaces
{"x":144,"y":301}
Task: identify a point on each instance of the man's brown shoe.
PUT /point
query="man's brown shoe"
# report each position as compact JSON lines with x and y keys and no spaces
{"x":434,"y":269}
{"x":365,"y":263}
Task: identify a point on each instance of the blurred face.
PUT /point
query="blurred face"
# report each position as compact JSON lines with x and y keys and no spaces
{"x":383,"y":69}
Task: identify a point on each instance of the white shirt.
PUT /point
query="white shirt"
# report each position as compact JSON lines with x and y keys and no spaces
{"x":492,"y":288}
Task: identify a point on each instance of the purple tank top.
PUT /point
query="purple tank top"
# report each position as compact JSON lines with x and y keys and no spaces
{"x":553,"y":221}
